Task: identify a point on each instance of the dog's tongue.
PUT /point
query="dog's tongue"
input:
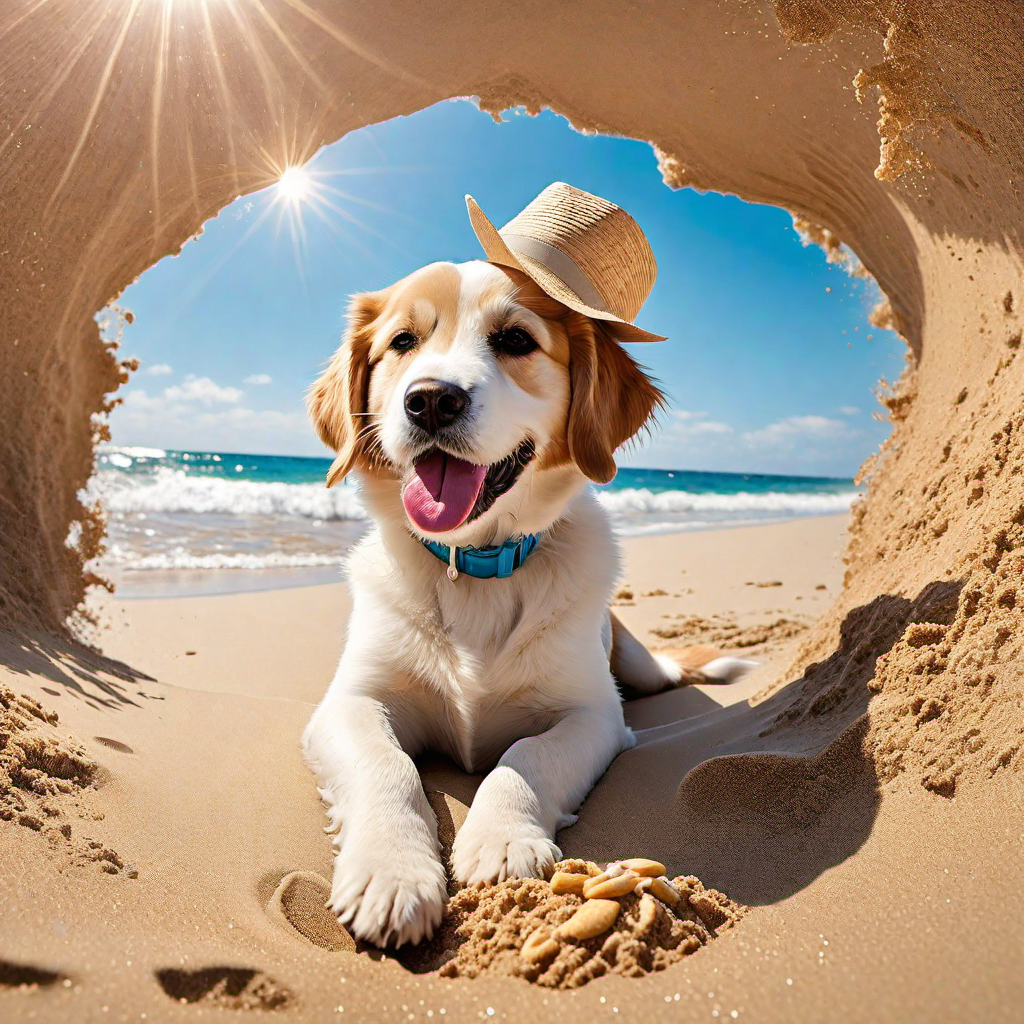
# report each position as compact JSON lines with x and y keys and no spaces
{"x":441,"y":492}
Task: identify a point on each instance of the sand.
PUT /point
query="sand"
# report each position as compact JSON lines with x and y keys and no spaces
{"x":870,"y":797}
{"x":486,"y":929}
{"x":868,"y":898}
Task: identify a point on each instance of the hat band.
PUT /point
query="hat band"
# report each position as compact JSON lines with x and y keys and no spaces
{"x":560,"y":265}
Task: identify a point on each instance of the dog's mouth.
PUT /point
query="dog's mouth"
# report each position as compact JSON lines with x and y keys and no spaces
{"x":443,"y":491}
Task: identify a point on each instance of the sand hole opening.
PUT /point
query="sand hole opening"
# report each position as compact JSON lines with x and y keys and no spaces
{"x":178,"y":507}
{"x":201,"y":489}
{"x":27,"y":976}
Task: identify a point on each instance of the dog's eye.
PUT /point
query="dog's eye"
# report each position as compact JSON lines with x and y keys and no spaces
{"x":513,"y":341}
{"x":403,"y":341}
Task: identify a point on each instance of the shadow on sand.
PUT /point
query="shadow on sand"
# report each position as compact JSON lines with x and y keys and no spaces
{"x":755,"y":800}
{"x":75,"y":670}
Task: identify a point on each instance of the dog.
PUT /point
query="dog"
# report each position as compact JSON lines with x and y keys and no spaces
{"x":474,"y":407}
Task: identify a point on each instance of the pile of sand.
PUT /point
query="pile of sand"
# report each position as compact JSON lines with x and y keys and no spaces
{"x":485,"y":926}
{"x":45,"y":778}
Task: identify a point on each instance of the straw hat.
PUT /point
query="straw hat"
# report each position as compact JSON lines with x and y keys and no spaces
{"x":582,"y":250}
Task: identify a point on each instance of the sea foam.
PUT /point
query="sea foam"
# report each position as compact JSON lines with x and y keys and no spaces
{"x":633,"y":501}
{"x":173,"y":490}
{"x":122,"y":555}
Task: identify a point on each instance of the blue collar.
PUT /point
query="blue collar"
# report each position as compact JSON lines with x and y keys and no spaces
{"x":498,"y":561}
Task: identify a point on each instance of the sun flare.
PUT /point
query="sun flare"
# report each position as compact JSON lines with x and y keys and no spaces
{"x":295,"y":185}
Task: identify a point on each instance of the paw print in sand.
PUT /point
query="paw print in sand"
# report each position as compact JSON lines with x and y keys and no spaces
{"x":300,"y":902}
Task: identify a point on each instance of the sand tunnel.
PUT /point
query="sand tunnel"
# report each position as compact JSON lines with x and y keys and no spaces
{"x":895,"y":127}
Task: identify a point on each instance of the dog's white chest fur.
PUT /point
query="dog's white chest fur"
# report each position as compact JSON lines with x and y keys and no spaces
{"x":485,"y":662}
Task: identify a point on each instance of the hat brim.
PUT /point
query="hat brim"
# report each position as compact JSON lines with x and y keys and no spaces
{"x":497,"y":251}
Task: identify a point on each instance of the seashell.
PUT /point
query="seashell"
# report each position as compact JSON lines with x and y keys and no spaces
{"x":539,"y":946}
{"x":648,"y":913}
{"x":607,"y":886}
{"x":593,"y":918}
{"x":643,"y":866}
{"x":664,"y":890}
{"x":563,"y":882}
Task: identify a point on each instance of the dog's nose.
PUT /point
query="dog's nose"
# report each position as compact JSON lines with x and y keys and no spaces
{"x":433,"y":404}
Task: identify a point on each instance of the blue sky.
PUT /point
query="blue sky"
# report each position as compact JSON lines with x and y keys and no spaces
{"x":769,"y":366}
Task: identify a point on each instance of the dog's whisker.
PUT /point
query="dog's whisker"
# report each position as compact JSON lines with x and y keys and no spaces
{"x":369,"y":430}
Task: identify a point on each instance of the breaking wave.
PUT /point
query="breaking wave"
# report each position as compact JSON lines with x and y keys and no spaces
{"x":632,"y":501}
{"x":175,"y":491}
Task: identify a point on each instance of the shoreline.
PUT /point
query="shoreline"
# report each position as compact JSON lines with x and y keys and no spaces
{"x":285,"y":641}
{"x":163,"y":584}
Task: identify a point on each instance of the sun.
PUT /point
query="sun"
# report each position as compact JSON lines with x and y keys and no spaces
{"x":299,"y":191}
{"x":295,"y":185}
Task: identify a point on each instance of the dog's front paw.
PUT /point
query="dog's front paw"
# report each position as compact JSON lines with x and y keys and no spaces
{"x":387,"y":892}
{"x":488,"y":849}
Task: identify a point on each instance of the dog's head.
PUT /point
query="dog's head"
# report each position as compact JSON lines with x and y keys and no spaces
{"x":478,"y":400}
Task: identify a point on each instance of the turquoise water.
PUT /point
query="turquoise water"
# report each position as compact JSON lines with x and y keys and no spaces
{"x":201,"y":511}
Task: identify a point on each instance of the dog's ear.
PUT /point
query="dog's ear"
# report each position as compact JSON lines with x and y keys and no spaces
{"x":337,"y":401}
{"x":611,"y":398}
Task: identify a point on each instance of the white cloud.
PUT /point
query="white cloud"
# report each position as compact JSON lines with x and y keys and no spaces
{"x":710,"y":427}
{"x":684,"y":438}
{"x":201,"y":415}
{"x":684,"y":422}
{"x":202,"y":390}
{"x":158,"y":370}
{"x":806,"y":444}
{"x":849,"y":410}
{"x":791,"y":430}
{"x":258,"y":379}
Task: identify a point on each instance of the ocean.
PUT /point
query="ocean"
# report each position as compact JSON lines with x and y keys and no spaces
{"x":196,"y":522}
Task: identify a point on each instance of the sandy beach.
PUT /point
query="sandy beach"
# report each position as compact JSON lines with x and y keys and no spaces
{"x":286,"y":642}
{"x":153,"y":884}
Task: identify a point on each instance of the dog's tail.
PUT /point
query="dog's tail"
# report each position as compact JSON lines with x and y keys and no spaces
{"x":648,"y":672}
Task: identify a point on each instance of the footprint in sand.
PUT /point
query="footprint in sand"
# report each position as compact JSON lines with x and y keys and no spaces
{"x":300,"y":899}
{"x":300,"y":902}
{"x":229,"y":988}
{"x":13,"y":975}
{"x":114,"y":744}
